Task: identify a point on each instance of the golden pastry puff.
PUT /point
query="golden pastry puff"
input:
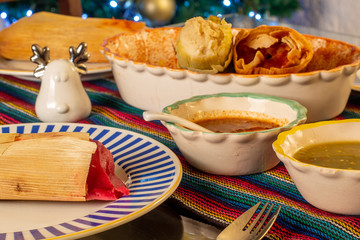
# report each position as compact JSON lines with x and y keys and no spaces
{"x":271,"y":50}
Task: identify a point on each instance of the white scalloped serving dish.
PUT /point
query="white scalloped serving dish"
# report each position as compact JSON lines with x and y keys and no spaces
{"x":323,"y":92}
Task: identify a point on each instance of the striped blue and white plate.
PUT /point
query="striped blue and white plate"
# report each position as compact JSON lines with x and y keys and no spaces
{"x":155,"y":173}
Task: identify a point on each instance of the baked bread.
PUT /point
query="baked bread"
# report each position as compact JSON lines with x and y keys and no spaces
{"x":59,"y":32}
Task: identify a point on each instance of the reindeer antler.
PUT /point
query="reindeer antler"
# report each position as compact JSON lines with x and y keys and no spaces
{"x":78,"y":56}
{"x":41,"y":57}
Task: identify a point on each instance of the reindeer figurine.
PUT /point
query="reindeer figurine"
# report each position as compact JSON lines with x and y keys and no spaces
{"x":62,"y":97}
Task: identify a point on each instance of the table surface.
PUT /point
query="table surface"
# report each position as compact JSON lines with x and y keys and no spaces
{"x":203,"y":204}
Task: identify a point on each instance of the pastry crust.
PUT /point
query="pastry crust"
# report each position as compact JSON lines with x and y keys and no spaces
{"x":59,"y":32}
{"x":152,"y":46}
{"x":271,"y":50}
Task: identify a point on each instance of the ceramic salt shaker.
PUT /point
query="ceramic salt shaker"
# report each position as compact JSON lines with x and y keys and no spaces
{"x":62,"y":97}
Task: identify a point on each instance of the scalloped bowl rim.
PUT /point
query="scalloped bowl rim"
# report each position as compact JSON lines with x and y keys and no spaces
{"x":207,"y":76}
{"x":282,"y":138}
{"x":294,"y":105}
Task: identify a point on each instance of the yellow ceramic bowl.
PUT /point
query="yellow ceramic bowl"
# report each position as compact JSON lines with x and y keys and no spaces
{"x":330,"y":189}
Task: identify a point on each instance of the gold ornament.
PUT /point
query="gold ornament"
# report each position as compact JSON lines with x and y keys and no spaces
{"x":157,"y":11}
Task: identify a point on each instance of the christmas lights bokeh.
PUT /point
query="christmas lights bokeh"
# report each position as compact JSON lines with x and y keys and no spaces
{"x":153,"y":12}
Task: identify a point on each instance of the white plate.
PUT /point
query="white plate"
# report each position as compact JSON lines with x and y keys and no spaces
{"x":155,"y":173}
{"x":24,"y":70}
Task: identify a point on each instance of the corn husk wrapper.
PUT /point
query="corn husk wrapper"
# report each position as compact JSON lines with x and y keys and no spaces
{"x":59,"y":32}
{"x":213,"y":54}
{"x":51,"y":167}
{"x":271,"y":50}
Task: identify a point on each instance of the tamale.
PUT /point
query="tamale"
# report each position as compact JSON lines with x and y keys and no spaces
{"x":79,"y":135}
{"x":59,"y":32}
{"x":47,"y":166}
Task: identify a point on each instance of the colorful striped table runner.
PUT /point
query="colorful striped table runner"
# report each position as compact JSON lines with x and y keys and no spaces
{"x":216,"y":200}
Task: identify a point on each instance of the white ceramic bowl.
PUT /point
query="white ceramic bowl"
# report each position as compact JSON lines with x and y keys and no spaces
{"x":232,"y":153}
{"x":333,"y":190}
{"x":146,"y":85}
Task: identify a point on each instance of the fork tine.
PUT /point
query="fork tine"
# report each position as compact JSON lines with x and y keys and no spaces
{"x":252,"y":225}
{"x":249,"y":213}
{"x":241,"y":228}
{"x":232,"y":230}
{"x":259,"y":226}
{"x":269,"y":224}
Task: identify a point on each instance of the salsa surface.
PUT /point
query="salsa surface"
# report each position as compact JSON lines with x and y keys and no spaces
{"x":236,"y":124}
{"x":341,"y":155}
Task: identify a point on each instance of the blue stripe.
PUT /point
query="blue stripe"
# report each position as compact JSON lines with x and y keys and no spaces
{"x":123,"y":200}
{"x":101,"y":134}
{"x":153,"y":149}
{"x":150,"y":173}
{"x":49,"y":128}
{"x":145,"y":195}
{"x":122,"y":140}
{"x":35,"y":129}
{"x":115,"y":212}
{"x":129,"y":145}
{"x":64,"y":128}
{"x":71,"y":227}
{"x":150,"y":163}
{"x":131,"y":201}
{"x":133,"y":190}
{"x":133,"y":150}
{"x":54,"y":231}
{"x":20,"y":129}
{"x":78,"y":129}
{"x":91,"y":130}
{"x":36,"y":234}
{"x":152,"y":184}
{"x":111,"y":138}
{"x":141,"y":181}
{"x":18,"y":236}
{"x":88,"y":223}
{"x":101,"y":217}
{"x":5,"y":129}
{"x":127,"y":207}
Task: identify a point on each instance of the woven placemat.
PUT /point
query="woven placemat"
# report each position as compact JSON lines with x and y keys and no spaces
{"x":216,"y":200}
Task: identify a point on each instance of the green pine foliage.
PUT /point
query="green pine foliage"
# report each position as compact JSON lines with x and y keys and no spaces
{"x":278,"y":8}
{"x":204,"y":8}
{"x":185,"y":8}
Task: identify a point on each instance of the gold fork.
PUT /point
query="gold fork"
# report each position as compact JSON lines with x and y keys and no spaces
{"x":245,"y":229}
